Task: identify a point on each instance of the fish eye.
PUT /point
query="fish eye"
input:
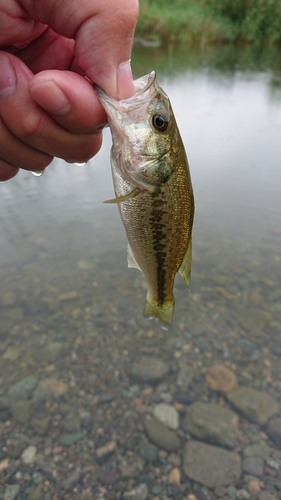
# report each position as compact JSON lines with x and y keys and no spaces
{"x":160,"y":122}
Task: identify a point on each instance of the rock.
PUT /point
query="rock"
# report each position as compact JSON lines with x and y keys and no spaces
{"x":5,"y":413}
{"x":68,"y":295}
{"x":72,"y":480}
{"x":12,"y":353}
{"x":220,"y":491}
{"x":265,"y":495}
{"x":259,"y":449}
{"x":21,"y":410}
{"x":148,"y":451}
{"x":167,"y":414}
{"x":129,"y":470}
{"x":23,"y":388}
{"x":253,"y":466}
{"x":257,"y":406}
{"x":40,"y":424}
{"x":212,"y":423}
{"x":28,"y":455}
{"x":232,"y":492}
{"x":273,"y":430}
{"x":11,"y":491}
{"x":242,"y":494}
{"x":205,"y":494}
{"x":253,"y":487}
{"x":221,"y":379}
{"x":210,"y":465}
{"x":108,"y":476}
{"x":72,"y":438}
{"x":149,"y":370}
{"x":184,"y":378}
{"x":4,"y":464}
{"x":160,"y":435}
{"x":140,"y":492}
{"x":50,"y":387}
{"x":174,"y":476}
{"x":35,"y":492}
{"x":47,"y":353}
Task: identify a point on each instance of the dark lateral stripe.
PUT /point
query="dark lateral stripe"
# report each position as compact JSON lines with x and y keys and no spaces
{"x":158,"y":243}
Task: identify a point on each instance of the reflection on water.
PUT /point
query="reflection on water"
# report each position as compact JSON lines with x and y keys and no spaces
{"x":96,"y":402}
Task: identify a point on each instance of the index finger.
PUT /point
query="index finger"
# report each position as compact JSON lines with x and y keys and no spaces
{"x":103,"y":31}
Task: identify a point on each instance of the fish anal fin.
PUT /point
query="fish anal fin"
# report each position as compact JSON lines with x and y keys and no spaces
{"x":163,"y":313}
{"x":126,"y":197}
{"x":185,"y":268}
{"x":131,"y":259}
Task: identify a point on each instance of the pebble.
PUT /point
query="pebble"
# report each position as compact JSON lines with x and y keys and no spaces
{"x":72,"y":438}
{"x":259,"y":449}
{"x":72,"y":480}
{"x":160,"y":435}
{"x":106,"y":449}
{"x":210,"y":465}
{"x":68,"y":295}
{"x":257,"y":406}
{"x":184,"y":378}
{"x":4,"y":464}
{"x":140,"y":492}
{"x":167,"y":414}
{"x":253,"y":487}
{"x":174,"y":476}
{"x":23,"y":388}
{"x":53,"y":387}
{"x":211,"y":423}
{"x":21,"y":410}
{"x":11,"y":491}
{"x":253,"y":466}
{"x":28,"y":455}
{"x":221,"y":379}
{"x":273,"y":430}
{"x":149,"y":370}
{"x":148,"y":451}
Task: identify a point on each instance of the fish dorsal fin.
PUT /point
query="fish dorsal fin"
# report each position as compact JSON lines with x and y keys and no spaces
{"x":185,"y":268}
{"x":131,"y":259}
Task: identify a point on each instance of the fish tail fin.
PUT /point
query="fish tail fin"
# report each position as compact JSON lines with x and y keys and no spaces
{"x":162,"y":312}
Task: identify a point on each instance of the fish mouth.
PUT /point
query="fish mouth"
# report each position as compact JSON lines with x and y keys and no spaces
{"x":145,"y":88}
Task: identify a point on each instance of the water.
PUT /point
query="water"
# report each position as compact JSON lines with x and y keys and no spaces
{"x":71,"y":311}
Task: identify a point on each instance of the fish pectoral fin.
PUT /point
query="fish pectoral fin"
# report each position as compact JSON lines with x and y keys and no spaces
{"x":131,"y":259}
{"x":185,"y":268}
{"x":162,"y":312}
{"x":126,"y":197}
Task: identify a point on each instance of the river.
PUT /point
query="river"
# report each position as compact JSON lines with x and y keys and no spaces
{"x":95,"y":401}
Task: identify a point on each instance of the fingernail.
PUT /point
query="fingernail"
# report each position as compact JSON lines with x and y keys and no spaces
{"x":125,"y":84}
{"x":50,"y":97}
{"x":7,"y":77}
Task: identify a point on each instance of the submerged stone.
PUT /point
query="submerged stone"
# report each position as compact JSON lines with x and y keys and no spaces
{"x":160,"y":435}
{"x":210,"y":465}
{"x":212,"y":423}
{"x":257,"y":406}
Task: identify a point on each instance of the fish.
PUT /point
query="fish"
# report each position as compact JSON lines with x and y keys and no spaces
{"x":153,"y":190}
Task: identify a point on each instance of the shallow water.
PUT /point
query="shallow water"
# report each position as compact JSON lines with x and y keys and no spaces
{"x":71,"y":311}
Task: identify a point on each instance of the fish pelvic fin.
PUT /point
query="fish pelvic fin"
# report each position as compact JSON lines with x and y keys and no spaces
{"x":185,"y":268}
{"x":163,"y":313}
{"x":131,"y":259}
{"x":126,"y":197}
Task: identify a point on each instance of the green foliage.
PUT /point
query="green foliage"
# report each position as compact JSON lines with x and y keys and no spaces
{"x":210,"y":21}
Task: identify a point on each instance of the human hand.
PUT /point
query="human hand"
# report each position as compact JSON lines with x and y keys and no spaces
{"x":47,"y":106}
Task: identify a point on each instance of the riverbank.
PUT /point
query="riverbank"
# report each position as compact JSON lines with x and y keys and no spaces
{"x":170,"y":22}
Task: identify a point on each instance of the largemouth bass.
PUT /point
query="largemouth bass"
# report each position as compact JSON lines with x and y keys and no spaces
{"x":153,"y":190}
